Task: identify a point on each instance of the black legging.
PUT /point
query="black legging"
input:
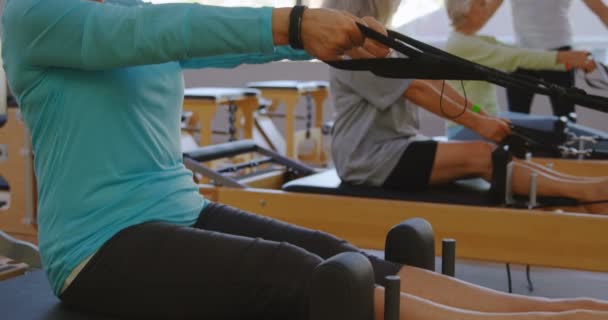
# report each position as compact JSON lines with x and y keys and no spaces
{"x":230,"y":265}
{"x":521,"y":101}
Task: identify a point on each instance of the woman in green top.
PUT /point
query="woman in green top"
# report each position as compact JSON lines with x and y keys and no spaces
{"x":468,"y":17}
{"x":123,"y":229}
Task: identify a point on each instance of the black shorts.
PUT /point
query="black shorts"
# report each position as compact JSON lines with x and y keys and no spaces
{"x":413,"y":171}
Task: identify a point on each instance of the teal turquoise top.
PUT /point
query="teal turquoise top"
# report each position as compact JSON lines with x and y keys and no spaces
{"x":100,"y":86}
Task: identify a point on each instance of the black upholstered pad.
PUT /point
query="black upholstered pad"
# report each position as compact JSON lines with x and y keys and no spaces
{"x":2,"y":120}
{"x":475,"y":192}
{"x":209,"y":93}
{"x":29,"y":297}
{"x":289,"y":85}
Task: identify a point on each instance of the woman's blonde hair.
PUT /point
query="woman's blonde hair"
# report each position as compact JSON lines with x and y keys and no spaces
{"x":458,"y":10}
{"x":382,"y":10}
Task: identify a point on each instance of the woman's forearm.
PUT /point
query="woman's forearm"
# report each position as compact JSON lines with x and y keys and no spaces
{"x":427,"y":94}
{"x":450,"y":92}
{"x":280,"y":26}
{"x":493,"y":6}
{"x":599,"y":8}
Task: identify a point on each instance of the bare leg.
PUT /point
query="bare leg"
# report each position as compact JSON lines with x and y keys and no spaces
{"x":416,"y":308}
{"x":466,"y":159}
{"x":456,"y":160}
{"x":558,"y":174}
{"x":459,"y":294}
{"x":552,"y":185}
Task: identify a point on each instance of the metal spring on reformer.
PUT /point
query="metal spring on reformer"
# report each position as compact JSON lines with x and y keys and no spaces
{"x":232,"y":107}
{"x":308,"y":114}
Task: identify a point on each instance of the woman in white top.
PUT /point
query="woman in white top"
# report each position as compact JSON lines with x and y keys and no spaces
{"x":545,"y":24}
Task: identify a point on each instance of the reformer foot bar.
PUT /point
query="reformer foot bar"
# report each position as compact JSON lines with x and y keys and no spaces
{"x":467,"y":211}
{"x":342,"y":287}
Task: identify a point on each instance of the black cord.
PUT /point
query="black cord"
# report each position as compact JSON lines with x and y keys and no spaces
{"x":529,"y":278}
{"x":464,"y":109}
{"x":509,"y":278}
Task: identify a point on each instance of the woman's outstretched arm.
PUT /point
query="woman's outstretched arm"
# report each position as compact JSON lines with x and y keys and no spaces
{"x":95,"y":36}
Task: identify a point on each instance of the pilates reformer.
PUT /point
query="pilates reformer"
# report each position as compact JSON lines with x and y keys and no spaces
{"x":487,"y":227}
{"x":289,"y":93}
{"x":342,"y":287}
{"x":250,"y":114}
{"x":203,"y":103}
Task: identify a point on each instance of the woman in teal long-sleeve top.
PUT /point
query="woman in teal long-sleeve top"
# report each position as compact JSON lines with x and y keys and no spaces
{"x":122,"y":228}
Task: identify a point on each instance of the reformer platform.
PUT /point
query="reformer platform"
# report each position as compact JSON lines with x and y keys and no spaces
{"x":29,"y":297}
{"x":475,"y":192}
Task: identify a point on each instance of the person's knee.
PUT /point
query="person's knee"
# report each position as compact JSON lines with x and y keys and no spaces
{"x":327,"y":245}
{"x":295,"y":263}
{"x":480,"y":159}
{"x":292,"y":269}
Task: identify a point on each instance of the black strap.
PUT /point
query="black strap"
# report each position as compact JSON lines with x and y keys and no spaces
{"x":295,"y":27}
{"x":423,"y":61}
{"x":596,"y":84}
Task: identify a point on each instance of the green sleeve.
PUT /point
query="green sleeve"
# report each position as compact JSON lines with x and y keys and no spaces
{"x":89,"y":35}
{"x":491,"y":53}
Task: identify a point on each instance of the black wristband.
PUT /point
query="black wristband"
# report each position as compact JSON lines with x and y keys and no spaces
{"x":295,"y":27}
